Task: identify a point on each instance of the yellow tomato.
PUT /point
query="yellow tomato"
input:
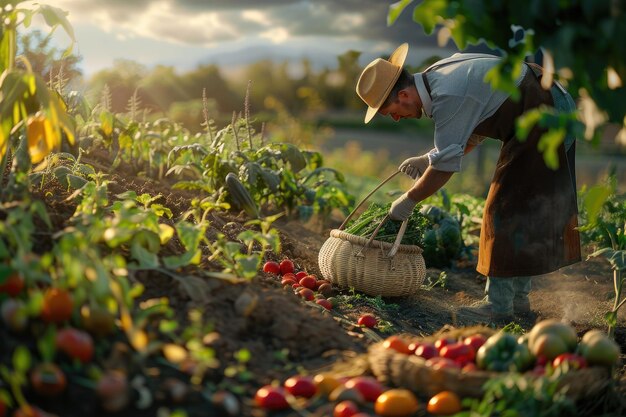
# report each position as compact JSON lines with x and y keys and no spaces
{"x":444,"y":404}
{"x":326,"y":383}
{"x":396,"y":402}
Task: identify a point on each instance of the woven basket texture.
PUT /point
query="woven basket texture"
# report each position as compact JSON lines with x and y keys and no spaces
{"x":345,"y":260}
{"x":409,"y":371}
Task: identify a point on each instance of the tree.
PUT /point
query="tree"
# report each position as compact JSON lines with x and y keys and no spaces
{"x":582,"y":42}
{"x":47,"y":60}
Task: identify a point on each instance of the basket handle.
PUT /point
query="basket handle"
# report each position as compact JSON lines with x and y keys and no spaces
{"x":385,"y":181}
{"x":396,"y":243}
{"x":403,"y":226}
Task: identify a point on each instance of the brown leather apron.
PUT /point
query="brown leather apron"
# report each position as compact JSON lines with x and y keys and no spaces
{"x":531,"y":215}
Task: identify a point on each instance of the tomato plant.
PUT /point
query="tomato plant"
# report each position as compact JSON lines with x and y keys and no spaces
{"x":13,"y":285}
{"x":57,"y":305}
{"x":48,"y":379}
{"x":76,"y":344}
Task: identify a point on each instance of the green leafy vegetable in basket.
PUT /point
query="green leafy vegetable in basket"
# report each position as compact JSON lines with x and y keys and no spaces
{"x":442,"y":240}
{"x":367,"y":222}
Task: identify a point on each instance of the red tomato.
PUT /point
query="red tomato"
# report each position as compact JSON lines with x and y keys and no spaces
{"x":367,"y":320}
{"x":286,"y":281}
{"x":271,"y":398}
{"x":325,"y":303}
{"x":573,"y":360}
{"x":48,"y":379}
{"x":444,"y":341}
{"x":368,"y":386}
{"x":300,"y":386}
{"x":308,"y":282}
{"x":439,"y":362}
{"x":345,"y":409}
{"x":13,"y":285}
{"x":271,"y":267}
{"x":458,"y":352}
{"x":427,"y":351}
{"x":301,"y":274}
{"x":475,"y":341}
{"x":289,"y":275}
{"x":57,"y":305}
{"x":286,"y":267}
{"x":413,"y":346}
{"x":469,"y":367}
{"x":295,"y":286}
{"x":307,"y":294}
{"x":75,"y":344}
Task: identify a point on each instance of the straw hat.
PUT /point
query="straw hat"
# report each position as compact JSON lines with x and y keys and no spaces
{"x":378,"y":78}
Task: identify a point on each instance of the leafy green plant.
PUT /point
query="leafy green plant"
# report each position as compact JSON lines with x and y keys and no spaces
{"x":441,"y":281}
{"x":513,"y":394}
{"x":605,"y":214}
{"x":33,"y":118}
{"x":367,"y":222}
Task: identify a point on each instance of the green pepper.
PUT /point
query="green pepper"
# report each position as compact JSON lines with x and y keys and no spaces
{"x":502,"y":353}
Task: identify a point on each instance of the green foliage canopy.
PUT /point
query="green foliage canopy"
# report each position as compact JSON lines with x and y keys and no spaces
{"x":582,"y":40}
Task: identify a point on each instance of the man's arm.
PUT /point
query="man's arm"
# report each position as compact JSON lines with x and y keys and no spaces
{"x":428,"y":184}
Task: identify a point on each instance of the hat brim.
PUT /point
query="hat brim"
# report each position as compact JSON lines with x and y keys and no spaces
{"x":397,"y":58}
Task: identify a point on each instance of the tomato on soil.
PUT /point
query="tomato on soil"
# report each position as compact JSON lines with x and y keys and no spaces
{"x":397,"y":402}
{"x":307,"y":294}
{"x":326,"y":383}
{"x":444,"y":404}
{"x":301,"y":274}
{"x":48,"y":379}
{"x":13,"y":285}
{"x":345,"y":409}
{"x":308,"y":282}
{"x":286,"y":267}
{"x":271,"y":398}
{"x":367,"y":320}
{"x":324,"y":303}
{"x":300,"y":386}
{"x":76,"y":344}
{"x":271,"y":267}
{"x":57,"y":305}
{"x":369,"y":387}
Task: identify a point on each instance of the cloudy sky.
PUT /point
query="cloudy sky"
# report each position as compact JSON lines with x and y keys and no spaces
{"x":185,"y":33}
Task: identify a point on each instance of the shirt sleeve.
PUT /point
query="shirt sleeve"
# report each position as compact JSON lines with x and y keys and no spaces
{"x":459,"y":117}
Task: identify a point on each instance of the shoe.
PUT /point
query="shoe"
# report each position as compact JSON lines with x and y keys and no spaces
{"x":482,"y":313}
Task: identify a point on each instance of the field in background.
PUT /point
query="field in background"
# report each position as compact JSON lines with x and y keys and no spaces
{"x":369,"y":153}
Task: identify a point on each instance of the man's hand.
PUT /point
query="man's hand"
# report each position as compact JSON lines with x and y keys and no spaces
{"x":402,"y":208}
{"x":414,"y":167}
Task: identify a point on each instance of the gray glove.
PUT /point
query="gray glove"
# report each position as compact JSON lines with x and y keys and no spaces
{"x":402,"y":208}
{"x":414,"y":167}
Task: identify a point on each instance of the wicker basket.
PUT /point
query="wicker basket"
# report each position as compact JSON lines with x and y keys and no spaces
{"x":371,"y":266}
{"x":409,"y":371}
